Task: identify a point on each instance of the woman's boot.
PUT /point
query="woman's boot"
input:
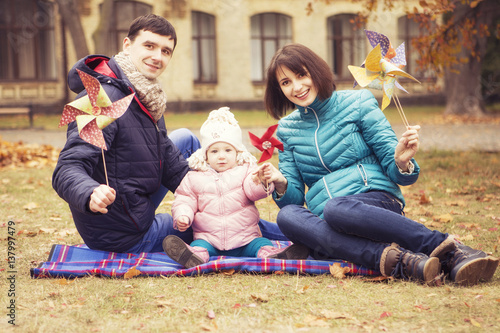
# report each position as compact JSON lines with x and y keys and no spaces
{"x":187,"y":256}
{"x":404,"y":264}
{"x":464,"y":265}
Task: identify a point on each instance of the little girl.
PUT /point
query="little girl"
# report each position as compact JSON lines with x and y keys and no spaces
{"x":217,"y":199}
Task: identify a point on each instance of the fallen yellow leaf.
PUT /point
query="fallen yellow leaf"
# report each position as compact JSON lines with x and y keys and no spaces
{"x":338,"y":271}
{"x":131,"y":273}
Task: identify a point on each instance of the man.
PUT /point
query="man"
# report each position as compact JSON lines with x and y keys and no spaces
{"x":142,"y":162}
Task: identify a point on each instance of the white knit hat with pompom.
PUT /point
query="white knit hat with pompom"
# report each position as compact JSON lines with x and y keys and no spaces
{"x":221,"y":126}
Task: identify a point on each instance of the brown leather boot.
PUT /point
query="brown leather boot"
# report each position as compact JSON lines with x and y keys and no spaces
{"x":465,"y":266}
{"x":404,"y":264}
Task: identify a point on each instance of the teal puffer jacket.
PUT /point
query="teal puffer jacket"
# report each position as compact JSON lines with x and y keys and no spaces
{"x":337,"y":147}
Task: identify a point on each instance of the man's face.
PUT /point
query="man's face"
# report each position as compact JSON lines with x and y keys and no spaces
{"x":149,"y":52}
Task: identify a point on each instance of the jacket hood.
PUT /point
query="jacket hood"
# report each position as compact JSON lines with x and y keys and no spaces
{"x":88,"y":65}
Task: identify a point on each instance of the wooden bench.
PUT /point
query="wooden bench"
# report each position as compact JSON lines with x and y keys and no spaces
{"x":13,"y":110}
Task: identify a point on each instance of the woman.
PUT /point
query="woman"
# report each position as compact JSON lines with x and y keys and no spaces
{"x":340,"y":145}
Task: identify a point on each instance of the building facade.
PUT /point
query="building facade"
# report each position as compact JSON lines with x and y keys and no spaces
{"x":222,"y":52}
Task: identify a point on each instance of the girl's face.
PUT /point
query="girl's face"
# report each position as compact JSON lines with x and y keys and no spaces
{"x":299,"y":89}
{"x":221,"y":156}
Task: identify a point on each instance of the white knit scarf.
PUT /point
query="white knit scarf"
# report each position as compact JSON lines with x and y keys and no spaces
{"x":149,"y":92}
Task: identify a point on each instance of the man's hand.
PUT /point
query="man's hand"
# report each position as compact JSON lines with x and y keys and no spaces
{"x":182,"y":223}
{"x":101,"y":198}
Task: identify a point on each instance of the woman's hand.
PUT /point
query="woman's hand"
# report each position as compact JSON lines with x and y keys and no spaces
{"x":407,"y":147}
{"x":267,"y":173}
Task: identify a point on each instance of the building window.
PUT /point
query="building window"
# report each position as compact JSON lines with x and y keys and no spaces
{"x":346,"y":45}
{"x":270,"y":31}
{"x":27,"y":40}
{"x":123,"y":14}
{"x":409,"y":29}
{"x":203,"y":47}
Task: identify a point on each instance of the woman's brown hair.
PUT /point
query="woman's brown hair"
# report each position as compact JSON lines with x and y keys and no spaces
{"x":300,"y":60}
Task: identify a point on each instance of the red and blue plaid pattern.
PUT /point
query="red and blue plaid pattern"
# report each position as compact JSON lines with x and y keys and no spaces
{"x":78,"y":261}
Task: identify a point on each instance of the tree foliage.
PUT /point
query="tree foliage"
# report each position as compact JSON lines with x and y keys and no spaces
{"x":454,"y":45}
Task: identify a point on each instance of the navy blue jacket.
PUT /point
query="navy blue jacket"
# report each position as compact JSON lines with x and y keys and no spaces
{"x":140,"y":157}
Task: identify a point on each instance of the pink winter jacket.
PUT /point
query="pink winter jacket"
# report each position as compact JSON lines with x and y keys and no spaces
{"x":221,"y":206}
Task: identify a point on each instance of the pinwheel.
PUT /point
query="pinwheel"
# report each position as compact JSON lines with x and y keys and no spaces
{"x":380,"y":69}
{"x":93,"y":112}
{"x":266,"y":143}
{"x":380,"y":74}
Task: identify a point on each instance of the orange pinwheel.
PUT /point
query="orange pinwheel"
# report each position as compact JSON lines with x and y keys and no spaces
{"x":94,"y":111}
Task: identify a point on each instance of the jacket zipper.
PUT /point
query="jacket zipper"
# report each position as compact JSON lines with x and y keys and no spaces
{"x":130,"y":217}
{"x":221,"y":209}
{"x":143,"y":108}
{"x":363,"y":174}
{"x":316,"y":139}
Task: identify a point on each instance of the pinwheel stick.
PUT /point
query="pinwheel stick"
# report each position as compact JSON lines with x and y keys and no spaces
{"x":401,"y":112}
{"x":105,"y":170}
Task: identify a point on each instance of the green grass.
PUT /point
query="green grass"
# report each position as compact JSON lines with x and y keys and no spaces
{"x":246,"y":119}
{"x":464,"y":187}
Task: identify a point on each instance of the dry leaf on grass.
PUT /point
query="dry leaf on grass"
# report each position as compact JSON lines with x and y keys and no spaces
{"x":302,"y":290}
{"x":328,"y":314}
{"x":338,"y":271}
{"x":445,"y":218}
{"x":380,"y":278}
{"x":30,"y":206}
{"x":260,"y":298}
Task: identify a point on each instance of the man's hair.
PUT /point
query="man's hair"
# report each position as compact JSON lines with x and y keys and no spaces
{"x":300,"y":60}
{"x":154,"y":23}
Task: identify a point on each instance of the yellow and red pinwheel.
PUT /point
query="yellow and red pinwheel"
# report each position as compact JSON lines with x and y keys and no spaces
{"x":379,"y":73}
{"x":266,"y":143}
{"x":94,"y":111}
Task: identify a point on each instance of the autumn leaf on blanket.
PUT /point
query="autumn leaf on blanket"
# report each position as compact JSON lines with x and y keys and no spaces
{"x":338,"y":271}
{"x":131,"y":273}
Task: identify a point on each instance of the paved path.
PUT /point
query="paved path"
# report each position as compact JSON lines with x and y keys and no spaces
{"x":457,"y":137}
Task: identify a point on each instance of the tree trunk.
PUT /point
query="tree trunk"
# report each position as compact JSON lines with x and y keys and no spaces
{"x":71,"y":17}
{"x":463,"y":82}
{"x":102,"y":36}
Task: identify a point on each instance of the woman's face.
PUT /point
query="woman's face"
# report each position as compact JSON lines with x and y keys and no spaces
{"x":299,"y":89}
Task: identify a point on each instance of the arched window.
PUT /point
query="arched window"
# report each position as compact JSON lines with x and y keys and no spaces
{"x":409,"y":29}
{"x":27,"y":40}
{"x":270,"y":31}
{"x":346,"y":45}
{"x":203,"y":48}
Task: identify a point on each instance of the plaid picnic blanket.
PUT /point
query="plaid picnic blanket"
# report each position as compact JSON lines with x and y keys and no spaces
{"x":78,"y":261}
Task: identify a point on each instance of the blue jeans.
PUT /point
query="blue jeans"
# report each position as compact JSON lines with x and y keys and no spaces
{"x":163,"y":224}
{"x":357,"y":228}
{"x":249,"y":250}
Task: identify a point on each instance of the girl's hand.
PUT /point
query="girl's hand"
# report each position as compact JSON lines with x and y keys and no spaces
{"x":407,"y":147}
{"x":182,"y":223}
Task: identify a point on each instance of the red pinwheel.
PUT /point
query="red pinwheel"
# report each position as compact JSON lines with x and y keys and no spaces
{"x":94,"y":111}
{"x":266,"y":143}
